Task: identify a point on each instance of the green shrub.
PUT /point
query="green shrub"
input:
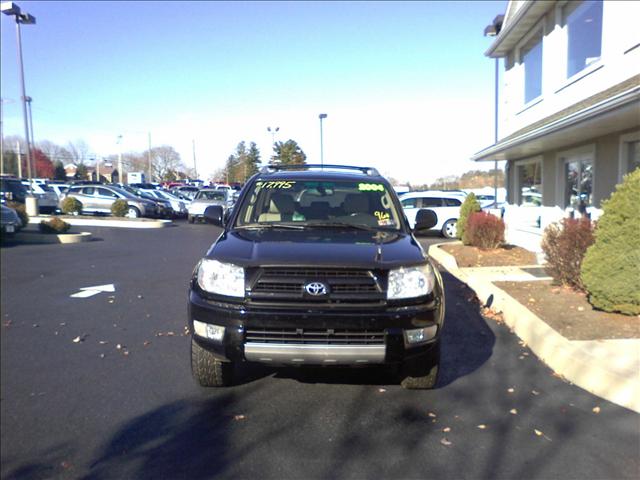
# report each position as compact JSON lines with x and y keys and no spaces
{"x":55,"y":225}
{"x":71,"y":206}
{"x":21,"y":210}
{"x":469,"y":206}
{"x":119,"y":208}
{"x":564,"y":245}
{"x":611,"y":268}
{"x":484,"y":230}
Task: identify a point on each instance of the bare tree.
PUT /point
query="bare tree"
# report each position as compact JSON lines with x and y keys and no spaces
{"x":165,"y":162}
{"x":55,"y":152}
{"x":79,"y":151}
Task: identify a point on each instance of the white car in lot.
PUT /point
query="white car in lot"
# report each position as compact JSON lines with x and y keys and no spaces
{"x":47,"y":197}
{"x":446,"y":206}
{"x":206,"y":198}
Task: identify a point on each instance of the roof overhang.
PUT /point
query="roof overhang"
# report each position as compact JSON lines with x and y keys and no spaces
{"x":517,"y":27}
{"x":611,"y":115}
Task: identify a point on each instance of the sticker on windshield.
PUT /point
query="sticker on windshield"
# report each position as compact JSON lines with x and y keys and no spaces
{"x":382,"y":215}
{"x":386,"y":222}
{"x":371,"y":187}
{"x":283,"y":184}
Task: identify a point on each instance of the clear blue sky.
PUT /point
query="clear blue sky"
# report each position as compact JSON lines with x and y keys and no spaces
{"x":391,"y":76}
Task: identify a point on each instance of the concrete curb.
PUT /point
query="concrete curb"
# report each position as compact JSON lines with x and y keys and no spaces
{"x":607,"y":368}
{"x":108,"y":222}
{"x":38,"y":238}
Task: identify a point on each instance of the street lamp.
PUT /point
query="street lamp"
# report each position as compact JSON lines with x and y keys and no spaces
{"x":273,"y":132}
{"x":12,"y":9}
{"x":120,"y":172}
{"x":321,"y":117}
{"x":493,"y":30}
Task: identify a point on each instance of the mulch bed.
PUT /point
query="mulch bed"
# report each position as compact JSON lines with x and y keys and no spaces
{"x":569,"y":313}
{"x":509,"y":255}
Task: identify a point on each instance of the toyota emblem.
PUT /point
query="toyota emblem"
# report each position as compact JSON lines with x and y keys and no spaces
{"x":316,"y":289}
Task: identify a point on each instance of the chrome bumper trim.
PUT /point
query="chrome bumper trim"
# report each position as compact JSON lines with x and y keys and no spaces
{"x":313,"y":354}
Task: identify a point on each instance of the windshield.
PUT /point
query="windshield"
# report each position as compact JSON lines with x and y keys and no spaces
{"x":211,"y":195}
{"x":318,"y":203}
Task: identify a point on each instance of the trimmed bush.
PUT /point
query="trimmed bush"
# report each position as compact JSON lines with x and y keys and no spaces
{"x":469,"y":206}
{"x":484,"y":230}
{"x":119,"y":208}
{"x":564,"y":245}
{"x":71,"y":206}
{"x":55,"y":225}
{"x":21,"y":210}
{"x":611,"y":268}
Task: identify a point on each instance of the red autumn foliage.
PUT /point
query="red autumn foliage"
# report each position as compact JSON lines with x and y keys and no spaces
{"x":484,"y":230}
{"x":44,"y":166}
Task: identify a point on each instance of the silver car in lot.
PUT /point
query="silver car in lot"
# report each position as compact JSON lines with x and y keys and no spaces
{"x":99,"y":198}
{"x":206,"y":198}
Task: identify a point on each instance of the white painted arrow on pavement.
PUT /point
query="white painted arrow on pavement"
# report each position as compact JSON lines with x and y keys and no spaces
{"x":91,"y":291}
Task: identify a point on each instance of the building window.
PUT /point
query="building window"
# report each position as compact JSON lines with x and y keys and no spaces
{"x":583,"y":23}
{"x":529,"y":181}
{"x":578,"y":186}
{"x":633,"y":156}
{"x":531,"y":54}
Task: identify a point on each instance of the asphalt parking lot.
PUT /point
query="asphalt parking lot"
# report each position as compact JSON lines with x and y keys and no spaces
{"x":100,"y":387}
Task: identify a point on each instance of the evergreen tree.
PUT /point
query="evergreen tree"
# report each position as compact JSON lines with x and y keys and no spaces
{"x":58,"y":171}
{"x":289,"y":153}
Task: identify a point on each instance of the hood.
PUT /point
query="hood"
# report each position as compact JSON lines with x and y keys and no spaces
{"x":352,"y":248}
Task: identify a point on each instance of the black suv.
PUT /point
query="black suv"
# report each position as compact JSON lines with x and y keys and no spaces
{"x":316,"y":266}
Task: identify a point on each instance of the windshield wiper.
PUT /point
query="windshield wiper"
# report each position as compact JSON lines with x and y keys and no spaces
{"x":262,"y":226}
{"x":353,"y":226}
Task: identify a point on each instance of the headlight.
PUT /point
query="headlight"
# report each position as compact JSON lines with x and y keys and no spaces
{"x":410,"y":282}
{"x":221,"y":278}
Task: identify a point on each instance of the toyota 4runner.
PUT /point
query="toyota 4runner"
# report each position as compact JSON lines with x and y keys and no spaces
{"x":317,"y":265}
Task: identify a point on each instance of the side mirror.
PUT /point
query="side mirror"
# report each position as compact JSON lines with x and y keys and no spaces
{"x":214,"y":215}
{"x":425,"y":219}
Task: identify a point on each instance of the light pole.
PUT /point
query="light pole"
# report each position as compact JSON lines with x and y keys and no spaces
{"x":321,"y":117}
{"x":120,"y":172}
{"x":195,"y":167}
{"x":149,"y":158}
{"x":31,"y":136}
{"x":12,"y":9}
{"x":273,"y":132}
{"x":492,"y":31}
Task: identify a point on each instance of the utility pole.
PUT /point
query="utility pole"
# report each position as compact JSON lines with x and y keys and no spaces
{"x":195,"y":168}
{"x":149,"y":158}
{"x":18,"y":153}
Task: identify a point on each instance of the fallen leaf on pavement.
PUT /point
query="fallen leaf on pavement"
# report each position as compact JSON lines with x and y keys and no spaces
{"x":511,"y":390}
{"x":147,"y":342}
{"x":482,"y":426}
{"x":77,"y":340}
{"x":446,"y":442}
{"x":382,"y":390}
{"x":140,"y":296}
{"x":432,"y":415}
{"x":103,"y":342}
{"x":171,"y":334}
{"x":596,"y":410}
{"x":446,"y":429}
{"x":535,"y":392}
{"x":513,"y":411}
{"x":541,"y":434}
{"x":118,"y":346}
{"x":239,"y":417}
{"x":102,"y":355}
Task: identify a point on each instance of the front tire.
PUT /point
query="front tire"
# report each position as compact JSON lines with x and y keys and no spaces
{"x":449,"y":229}
{"x":207,"y":370}
{"x":133,"y":212}
{"x":421,"y":373}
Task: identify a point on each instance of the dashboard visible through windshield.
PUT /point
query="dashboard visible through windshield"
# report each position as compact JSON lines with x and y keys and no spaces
{"x":319,"y":203}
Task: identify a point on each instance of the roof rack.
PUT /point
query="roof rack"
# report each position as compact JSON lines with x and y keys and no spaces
{"x":306,"y":166}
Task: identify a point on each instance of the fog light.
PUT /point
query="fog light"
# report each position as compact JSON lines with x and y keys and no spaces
{"x":420,"y":335}
{"x":208,"y":330}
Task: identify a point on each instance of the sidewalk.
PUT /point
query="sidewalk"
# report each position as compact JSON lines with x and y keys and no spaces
{"x":607,"y":368}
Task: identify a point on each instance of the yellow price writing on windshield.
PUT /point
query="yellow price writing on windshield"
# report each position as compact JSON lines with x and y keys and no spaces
{"x":371,"y":187}
{"x":284,"y":184}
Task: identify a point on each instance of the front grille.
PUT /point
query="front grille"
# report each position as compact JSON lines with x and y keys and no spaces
{"x":287,"y":284}
{"x":299,"y":336}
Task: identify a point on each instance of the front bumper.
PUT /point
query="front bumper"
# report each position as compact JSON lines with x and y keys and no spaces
{"x":238,"y":319}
